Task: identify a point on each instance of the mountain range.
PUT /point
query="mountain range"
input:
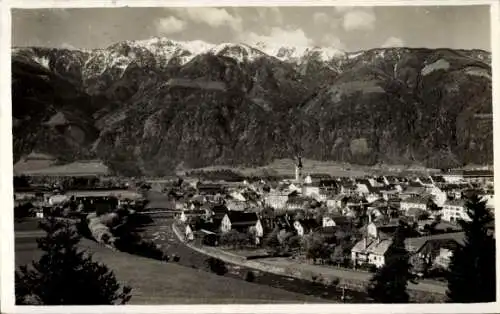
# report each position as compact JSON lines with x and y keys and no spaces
{"x":157,"y":105}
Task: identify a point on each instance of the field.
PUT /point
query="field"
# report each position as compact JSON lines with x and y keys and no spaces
{"x":154,"y":282}
{"x":286,"y":167}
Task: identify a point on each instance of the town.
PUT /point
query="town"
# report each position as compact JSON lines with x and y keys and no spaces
{"x":313,"y":226}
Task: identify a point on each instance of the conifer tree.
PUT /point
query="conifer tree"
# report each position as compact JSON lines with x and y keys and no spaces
{"x":389,"y":283}
{"x":471,"y":276}
{"x":64,"y":275}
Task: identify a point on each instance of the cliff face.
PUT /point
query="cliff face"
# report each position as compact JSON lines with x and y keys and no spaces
{"x":146,"y":107}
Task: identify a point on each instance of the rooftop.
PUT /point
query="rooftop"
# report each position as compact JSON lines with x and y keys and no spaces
{"x":372,"y":246}
{"x":237,"y":217}
{"x":416,"y":243}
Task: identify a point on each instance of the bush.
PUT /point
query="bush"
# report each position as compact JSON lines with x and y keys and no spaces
{"x":83,"y":229}
{"x":235,"y":239}
{"x":217,"y":266}
{"x":250,"y":276}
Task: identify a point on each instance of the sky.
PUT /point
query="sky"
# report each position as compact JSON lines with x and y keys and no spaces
{"x":345,"y":28}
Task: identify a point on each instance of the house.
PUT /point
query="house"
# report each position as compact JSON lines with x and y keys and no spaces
{"x":478,"y":176}
{"x":413,"y":202}
{"x":209,"y":188}
{"x":336,"y":221}
{"x":370,"y":251}
{"x":335,"y":202}
{"x":39,"y":213}
{"x":454,"y":210}
{"x":276,"y":199}
{"x":236,"y":205}
{"x":453,"y":176}
{"x":242,"y":222}
{"x":412,"y":191}
{"x":363,"y":186}
{"x":315,"y":178}
{"x":355,"y":201}
{"x":415,"y":213}
{"x":435,"y":250}
{"x":328,"y":186}
{"x":237,"y":196}
{"x":186,"y":215}
{"x":439,"y":196}
{"x":311,"y":191}
{"x":189,"y":233}
{"x":305,"y":226}
{"x":298,"y":202}
{"x":452,"y":190}
{"x":218,"y":211}
{"x":414,"y":244}
{"x":489,"y":199}
{"x":348,"y":188}
{"x":381,"y":228}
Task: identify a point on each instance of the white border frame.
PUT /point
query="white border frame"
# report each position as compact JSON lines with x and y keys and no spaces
{"x":6,"y":189}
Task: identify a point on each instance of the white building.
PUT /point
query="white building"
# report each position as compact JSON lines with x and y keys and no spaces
{"x":276,"y":200}
{"x":312,"y":191}
{"x":305,"y":226}
{"x":371,"y":249}
{"x":188,"y":233}
{"x":454,"y":210}
{"x":439,"y":195}
{"x":453,"y":177}
{"x":187,"y":214}
{"x":413,"y":202}
{"x":242,"y":222}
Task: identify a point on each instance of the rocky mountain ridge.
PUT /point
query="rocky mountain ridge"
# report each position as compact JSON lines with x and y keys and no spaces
{"x":154,"y":105}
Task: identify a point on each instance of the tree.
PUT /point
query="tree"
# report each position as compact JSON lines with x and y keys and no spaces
{"x":271,"y":241}
{"x":235,"y":239}
{"x":293,"y":243}
{"x":471,"y":276}
{"x":337,"y":255}
{"x":389,"y":283}
{"x":316,"y":247}
{"x":66,"y":276}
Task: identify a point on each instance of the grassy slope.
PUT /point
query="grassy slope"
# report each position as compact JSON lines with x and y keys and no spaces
{"x":154,"y":282}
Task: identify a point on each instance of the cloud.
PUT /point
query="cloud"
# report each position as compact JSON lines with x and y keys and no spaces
{"x":269,"y":15}
{"x":330,"y":40}
{"x":170,"y":25}
{"x":393,"y":42}
{"x":320,"y":18}
{"x":214,"y":17}
{"x":280,"y":37}
{"x":359,"y":19}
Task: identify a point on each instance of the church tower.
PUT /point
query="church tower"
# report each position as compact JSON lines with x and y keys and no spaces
{"x":298,"y":170}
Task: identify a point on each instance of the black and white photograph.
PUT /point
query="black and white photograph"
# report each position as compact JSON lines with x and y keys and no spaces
{"x":228,"y":155}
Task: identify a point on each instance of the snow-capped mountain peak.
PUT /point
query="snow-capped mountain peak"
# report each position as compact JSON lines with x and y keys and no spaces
{"x":297,"y":53}
{"x":240,"y":52}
